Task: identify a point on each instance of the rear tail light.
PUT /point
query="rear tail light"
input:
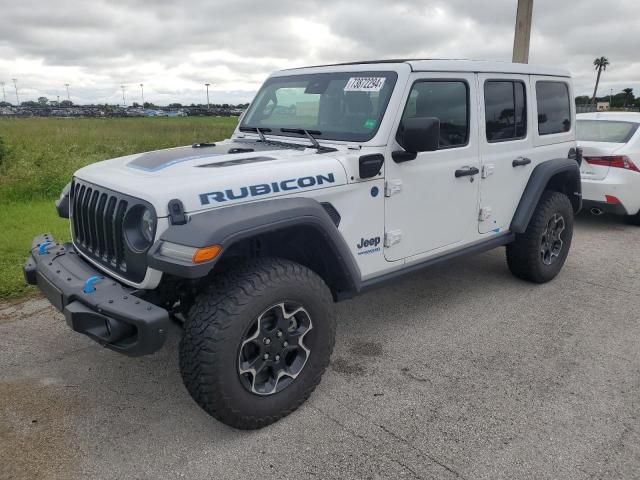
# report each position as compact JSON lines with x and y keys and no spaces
{"x":615,"y":161}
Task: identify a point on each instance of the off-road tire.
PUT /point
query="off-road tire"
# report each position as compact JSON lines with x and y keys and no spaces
{"x":218,"y":322}
{"x":633,"y":219}
{"x":524,"y":254}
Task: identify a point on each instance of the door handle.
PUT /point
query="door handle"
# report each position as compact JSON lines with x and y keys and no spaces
{"x":521,"y":162}
{"x":467,"y":172}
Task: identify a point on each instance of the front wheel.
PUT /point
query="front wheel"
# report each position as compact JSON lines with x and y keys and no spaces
{"x":256,"y":344}
{"x":538,"y":254}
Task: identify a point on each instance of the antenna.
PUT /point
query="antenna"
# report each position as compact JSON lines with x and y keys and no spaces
{"x":124,"y":102}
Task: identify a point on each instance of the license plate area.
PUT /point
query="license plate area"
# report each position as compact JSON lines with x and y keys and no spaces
{"x":53,"y":294}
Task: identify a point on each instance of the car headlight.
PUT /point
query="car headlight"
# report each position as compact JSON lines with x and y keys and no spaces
{"x":140,"y":228}
{"x":148,"y":225}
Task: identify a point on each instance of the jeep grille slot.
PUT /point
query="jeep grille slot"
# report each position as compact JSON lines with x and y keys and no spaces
{"x":97,"y":218}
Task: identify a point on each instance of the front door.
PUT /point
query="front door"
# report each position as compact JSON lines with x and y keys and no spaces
{"x":432,"y":201}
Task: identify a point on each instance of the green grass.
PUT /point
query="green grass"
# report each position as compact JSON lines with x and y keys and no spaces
{"x":39,"y":155}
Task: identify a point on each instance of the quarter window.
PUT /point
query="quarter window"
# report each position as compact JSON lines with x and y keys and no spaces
{"x":447,"y":100}
{"x":505,"y":110}
{"x":554,"y":111}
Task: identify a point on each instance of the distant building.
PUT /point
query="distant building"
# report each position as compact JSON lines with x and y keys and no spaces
{"x":602,"y":106}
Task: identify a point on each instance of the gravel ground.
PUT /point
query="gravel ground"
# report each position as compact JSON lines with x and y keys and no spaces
{"x":460,"y":371}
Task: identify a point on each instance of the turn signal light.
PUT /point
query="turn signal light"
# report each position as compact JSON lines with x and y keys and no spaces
{"x":206,"y":253}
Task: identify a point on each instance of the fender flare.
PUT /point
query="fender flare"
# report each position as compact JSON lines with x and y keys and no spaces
{"x":228,"y":225}
{"x":563,"y":170}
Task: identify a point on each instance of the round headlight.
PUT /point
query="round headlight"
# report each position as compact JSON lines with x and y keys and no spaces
{"x":140,"y":228}
{"x":147,"y":225}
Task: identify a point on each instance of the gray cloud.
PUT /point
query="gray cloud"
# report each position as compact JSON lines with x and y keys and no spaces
{"x":175,"y":47}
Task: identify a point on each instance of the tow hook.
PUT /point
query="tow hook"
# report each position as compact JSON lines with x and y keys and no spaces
{"x":88,"y":284}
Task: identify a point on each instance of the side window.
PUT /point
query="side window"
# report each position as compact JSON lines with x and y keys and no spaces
{"x":554,"y":111}
{"x":448,"y":100}
{"x":505,"y":110}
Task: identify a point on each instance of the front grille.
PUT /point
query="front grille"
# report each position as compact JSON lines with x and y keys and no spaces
{"x":97,"y":218}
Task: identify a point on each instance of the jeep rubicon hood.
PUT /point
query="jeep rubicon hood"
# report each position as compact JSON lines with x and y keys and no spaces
{"x":206,"y":176}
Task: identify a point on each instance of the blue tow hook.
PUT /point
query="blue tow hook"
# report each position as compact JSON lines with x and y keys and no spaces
{"x":42,"y":249}
{"x":88,"y":285}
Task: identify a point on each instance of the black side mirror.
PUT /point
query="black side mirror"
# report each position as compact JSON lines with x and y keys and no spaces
{"x":418,"y":134}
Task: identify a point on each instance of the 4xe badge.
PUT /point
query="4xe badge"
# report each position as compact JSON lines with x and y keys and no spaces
{"x":368,"y":246}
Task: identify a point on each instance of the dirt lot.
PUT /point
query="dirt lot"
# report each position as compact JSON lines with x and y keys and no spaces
{"x":461,"y":371}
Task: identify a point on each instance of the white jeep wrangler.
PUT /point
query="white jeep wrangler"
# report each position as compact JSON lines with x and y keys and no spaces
{"x":338,"y":179}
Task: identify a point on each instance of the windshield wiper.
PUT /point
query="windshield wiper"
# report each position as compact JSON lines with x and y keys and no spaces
{"x":309,"y":133}
{"x":260,"y":131}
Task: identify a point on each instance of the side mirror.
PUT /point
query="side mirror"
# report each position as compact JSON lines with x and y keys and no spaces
{"x":419,"y":134}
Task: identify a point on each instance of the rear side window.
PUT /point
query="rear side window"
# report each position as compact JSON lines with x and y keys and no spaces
{"x":505,"y":108}
{"x":605,"y":131}
{"x":448,"y":100}
{"x":554,"y":111}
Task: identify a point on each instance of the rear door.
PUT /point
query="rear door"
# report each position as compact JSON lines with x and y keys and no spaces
{"x":505,"y":146}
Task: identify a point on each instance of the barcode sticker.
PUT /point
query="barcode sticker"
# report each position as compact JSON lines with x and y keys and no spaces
{"x":364,"y":84}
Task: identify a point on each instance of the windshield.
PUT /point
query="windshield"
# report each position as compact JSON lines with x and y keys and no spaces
{"x":605,"y":131}
{"x":334,"y":106}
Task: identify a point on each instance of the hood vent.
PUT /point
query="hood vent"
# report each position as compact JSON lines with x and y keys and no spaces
{"x":238,"y":161}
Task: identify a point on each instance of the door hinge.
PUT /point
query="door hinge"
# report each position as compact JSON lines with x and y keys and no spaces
{"x":392,"y":187}
{"x":485,"y":214}
{"x":392,"y":237}
{"x":488,"y":169}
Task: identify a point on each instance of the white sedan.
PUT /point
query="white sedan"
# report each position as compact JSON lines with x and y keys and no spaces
{"x":610,"y":143}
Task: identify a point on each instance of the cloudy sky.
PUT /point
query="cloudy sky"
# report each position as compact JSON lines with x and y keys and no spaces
{"x":174,"y":47}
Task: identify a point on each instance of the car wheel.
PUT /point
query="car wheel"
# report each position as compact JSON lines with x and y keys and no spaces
{"x":633,"y":219}
{"x":256,"y":344}
{"x":538,"y":254}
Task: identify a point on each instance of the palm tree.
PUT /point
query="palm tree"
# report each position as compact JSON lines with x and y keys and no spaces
{"x":628,"y":95}
{"x":600,"y":64}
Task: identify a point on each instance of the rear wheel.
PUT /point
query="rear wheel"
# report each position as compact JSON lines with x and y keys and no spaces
{"x":633,"y":219}
{"x":256,"y":344}
{"x":538,"y":254}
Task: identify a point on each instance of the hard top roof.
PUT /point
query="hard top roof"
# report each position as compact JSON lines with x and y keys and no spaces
{"x":451,"y":65}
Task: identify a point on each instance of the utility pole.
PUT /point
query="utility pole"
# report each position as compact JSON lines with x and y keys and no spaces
{"x":522,"y":35}
{"x":610,"y":98}
{"x":58,"y":104}
{"x":4,"y":95}
{"x":142,"y":91}
{"x":207,"y":85}
{"x":68,"y":96}
{"x":15,"y":85}
{"x":124,"y":102}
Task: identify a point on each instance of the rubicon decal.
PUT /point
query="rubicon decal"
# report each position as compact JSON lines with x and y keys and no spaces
{"x":266,"y":188}
{"x":368,"y":246}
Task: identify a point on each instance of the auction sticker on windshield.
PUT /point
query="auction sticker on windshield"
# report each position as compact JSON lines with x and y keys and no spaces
{"x":364,"y":84}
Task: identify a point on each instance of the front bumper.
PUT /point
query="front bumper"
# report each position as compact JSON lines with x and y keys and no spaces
{"x":103,"y":309}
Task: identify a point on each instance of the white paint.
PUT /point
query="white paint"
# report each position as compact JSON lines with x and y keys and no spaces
{"x":428,"y":211}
